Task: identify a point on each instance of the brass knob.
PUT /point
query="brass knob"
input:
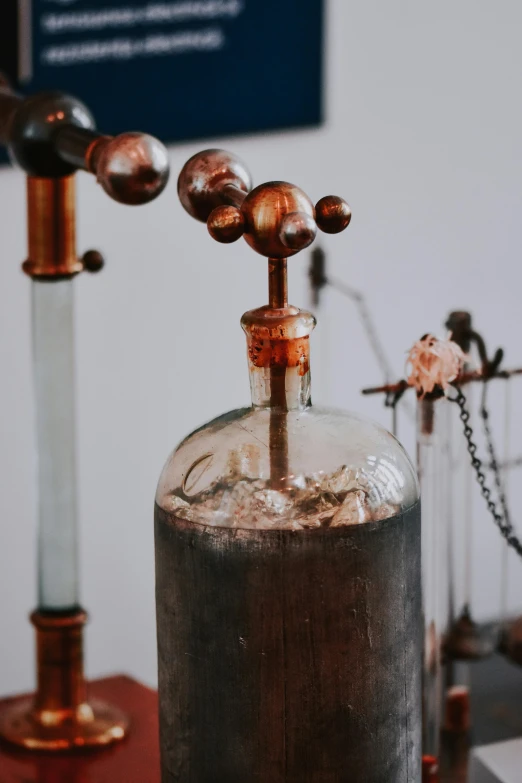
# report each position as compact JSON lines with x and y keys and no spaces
{"x":332,"y":214}
{"x":210,"y":179}
{"x":132,"y":168}
{"x":277,"y":219}
{"x":93,"y":261}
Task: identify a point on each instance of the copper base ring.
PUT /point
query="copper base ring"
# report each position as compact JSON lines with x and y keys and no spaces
{"x":91,"y":725}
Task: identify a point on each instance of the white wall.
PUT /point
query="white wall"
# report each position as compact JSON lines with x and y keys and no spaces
{"x":424,"y":138}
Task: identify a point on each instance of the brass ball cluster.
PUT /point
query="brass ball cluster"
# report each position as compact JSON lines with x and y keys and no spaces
{"x":277,"y":219}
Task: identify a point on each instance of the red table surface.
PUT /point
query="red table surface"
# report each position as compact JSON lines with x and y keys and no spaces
{"x":135,"y":760}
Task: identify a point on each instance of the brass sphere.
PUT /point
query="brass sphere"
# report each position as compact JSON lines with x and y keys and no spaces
{"x":298,"y":230}
{"x":265,"y":210}
{"x":226,"y":224}
{"x":203,"y":177}
{"x":132,"y":168}
{"x":332,"y":214}
{"x":93,"y":261}
{"x":33,"y":130}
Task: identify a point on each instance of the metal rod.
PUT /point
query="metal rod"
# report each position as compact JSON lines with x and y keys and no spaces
{"x":278,"y":298}
{"x":71,"y":143}
{"x":277,"y":283}
{"x":74,"y":145}
{"x":233,"y":196}
{"x":467,"y":377}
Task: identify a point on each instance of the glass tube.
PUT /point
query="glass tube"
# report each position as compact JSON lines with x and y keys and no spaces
{"x":457,"y":673}
{"x":504,"y":570}
{"x":466,"y":641}
{"x":53,"y":358}
{"x":433,"y":463}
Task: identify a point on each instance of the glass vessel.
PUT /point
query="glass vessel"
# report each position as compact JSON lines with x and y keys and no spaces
{"x":288,"y":580}
{"x":290,"y":467}
{"x":433,"y":443}
{"x":287,"y":589}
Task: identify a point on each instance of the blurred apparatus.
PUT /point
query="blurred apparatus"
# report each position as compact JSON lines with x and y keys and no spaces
{"x":50,"y":136}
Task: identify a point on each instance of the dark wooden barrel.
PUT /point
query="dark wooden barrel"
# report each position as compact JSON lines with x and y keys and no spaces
{"x":289,"y":657}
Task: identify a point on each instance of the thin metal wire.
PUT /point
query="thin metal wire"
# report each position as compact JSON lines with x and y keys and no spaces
{"x":368,"y":325}
{"x":500,"y":518}
{"x":376,"y":345}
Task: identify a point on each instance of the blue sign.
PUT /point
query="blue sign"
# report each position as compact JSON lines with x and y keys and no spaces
{"x":179,"y":69}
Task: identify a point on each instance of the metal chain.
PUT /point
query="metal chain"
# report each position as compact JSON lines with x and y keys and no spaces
{"x":502,"y":521}
{"x":493,"y":461}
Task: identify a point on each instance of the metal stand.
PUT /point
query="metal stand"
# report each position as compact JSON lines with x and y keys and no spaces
{"x":52,"y":135}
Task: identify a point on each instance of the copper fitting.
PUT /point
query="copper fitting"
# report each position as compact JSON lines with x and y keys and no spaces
{"x":61,"y":689}
{"x":59,"y":716}
{"x":457,"y":710}
{"x":279,"y":337}
{"x":51,"y":224}
{"x":430,"y":769}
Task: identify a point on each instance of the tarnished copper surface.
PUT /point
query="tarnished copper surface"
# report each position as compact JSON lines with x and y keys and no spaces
{"x":59,"y":716}
{"x":266,"y":208}
{"x":226,"y":224}
{"x":205,"y":180}
{"x":279,"y":338}
{"x":297,"y":230}
{"x":132,"y":168}
{"x":277,"y":219}
{"x":332,"y":214}
{"x":51,"y":219}
{"x":277,"y":283}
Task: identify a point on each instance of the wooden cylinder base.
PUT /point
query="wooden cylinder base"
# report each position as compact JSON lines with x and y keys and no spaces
{"x":289,"y":656}
{"x":59,"y":717}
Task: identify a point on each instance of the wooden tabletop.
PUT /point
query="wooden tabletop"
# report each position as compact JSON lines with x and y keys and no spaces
{"x":135,"y":760}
